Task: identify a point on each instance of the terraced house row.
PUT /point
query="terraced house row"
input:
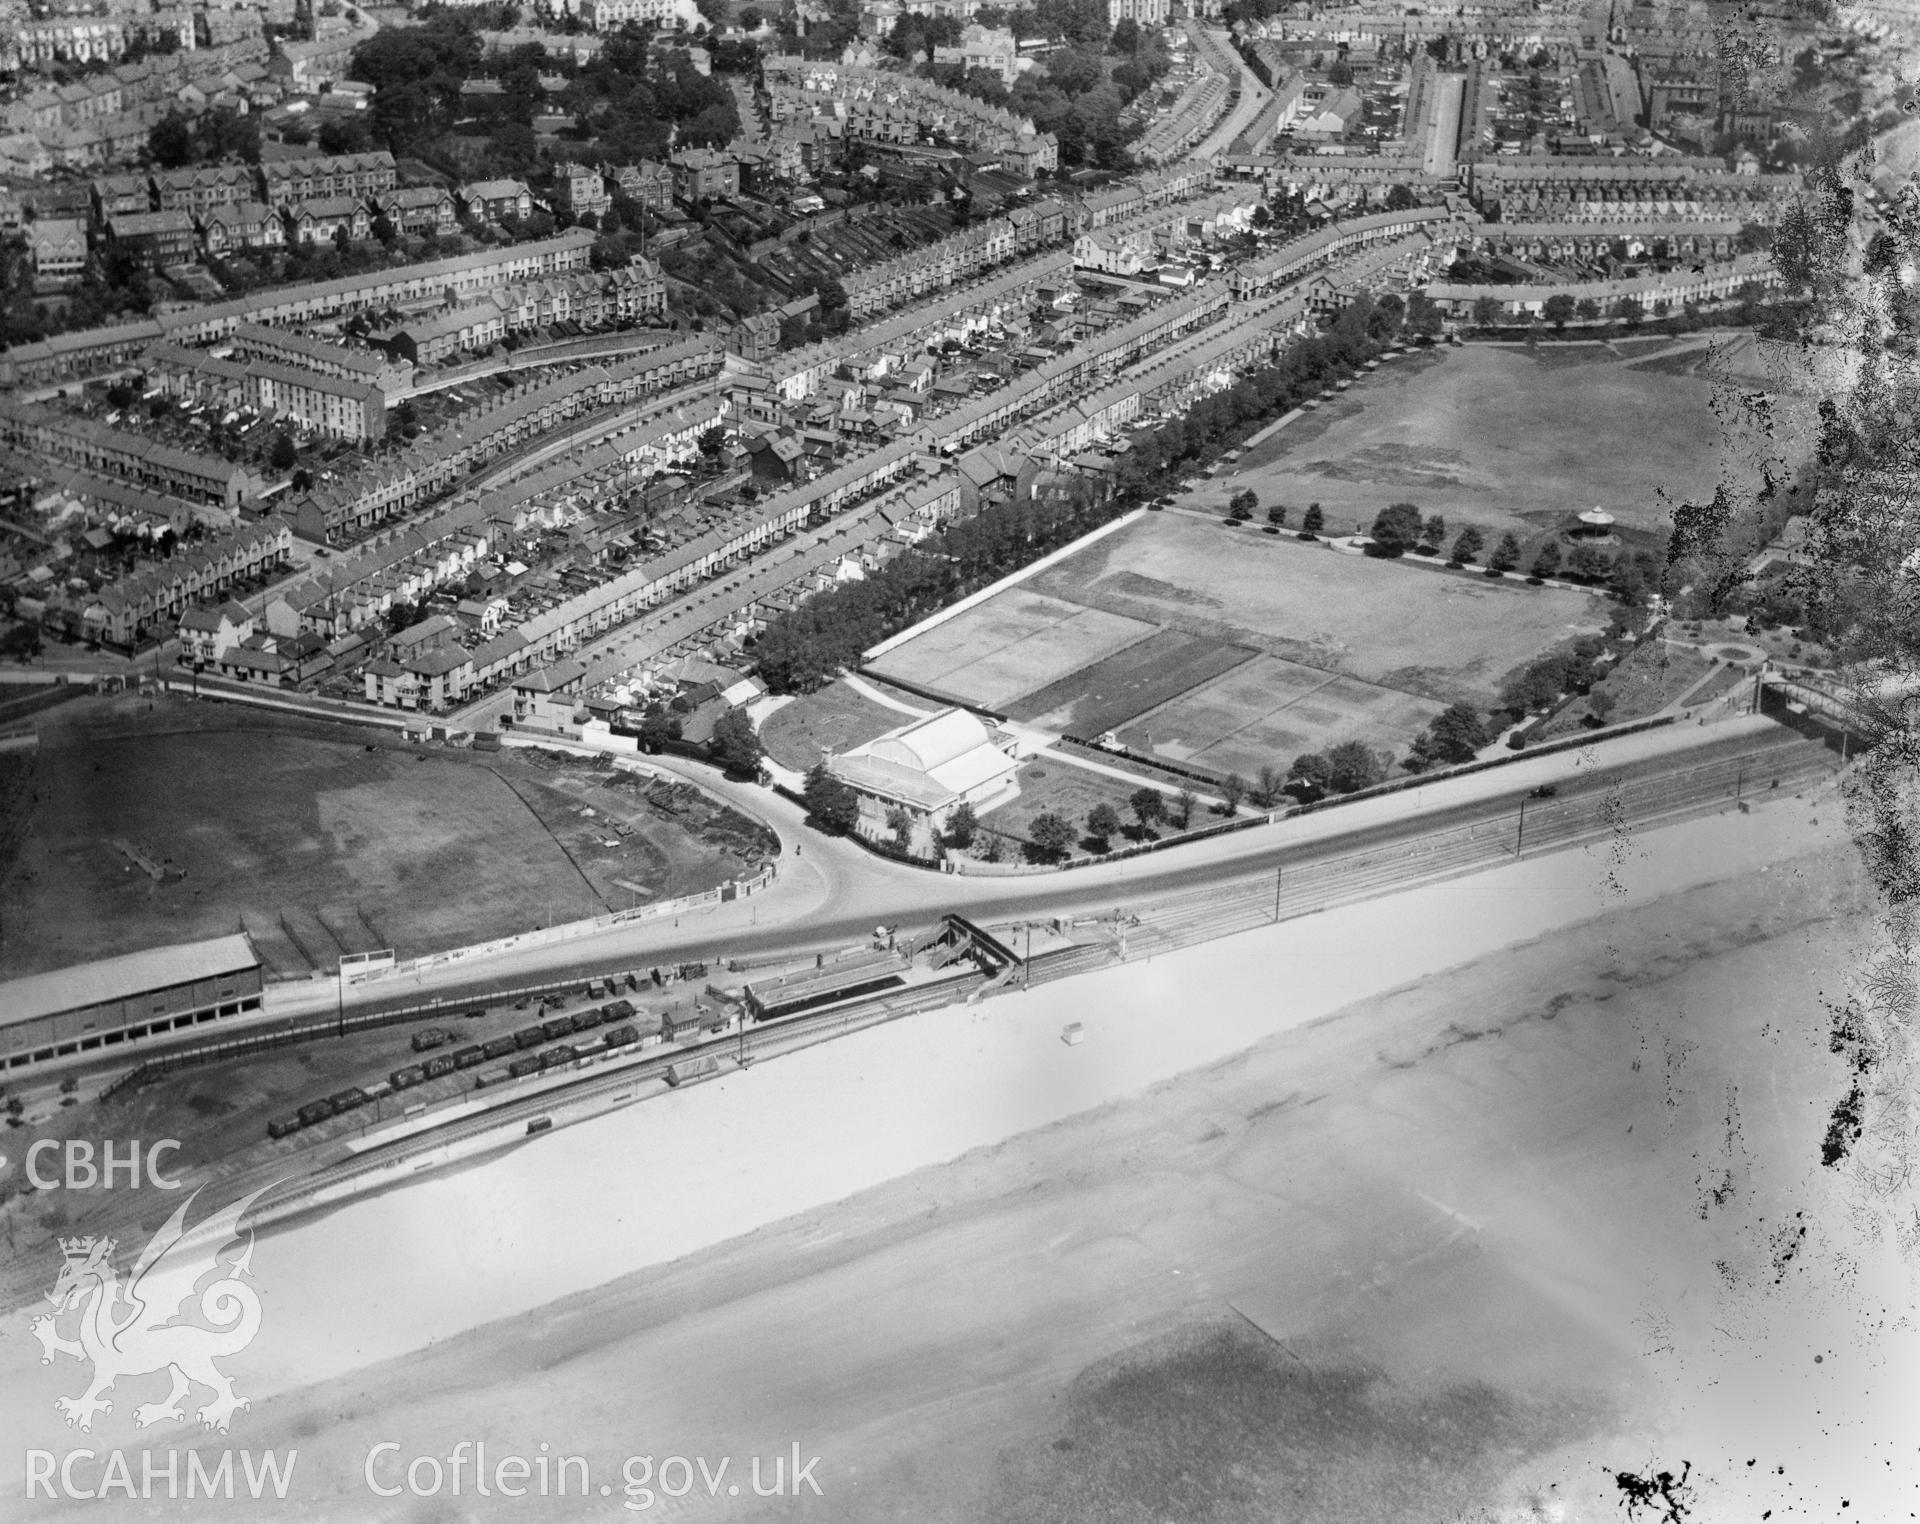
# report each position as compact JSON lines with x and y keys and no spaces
{"x":959,"y":256}
{"x":430,"y":466}
{"x":1623,"y":190}
{"x":89,"y":351}
{"x":595,"y":299}
{"x":1299,"y":255}
{"x":892,"y":108}
{"x":45,"y":435}
{"x":330,"y":405}
{"x":151,"y":601}
{"x":1587,"y":240}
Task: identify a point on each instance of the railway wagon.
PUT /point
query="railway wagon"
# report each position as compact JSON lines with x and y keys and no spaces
{"x":280,"y":1127}
{"x":589,"y":1018}
{"x":500,"y":1047}
{"x":529,"y":1037}
{"x":520,"y":1068}
{"x":557,"y":1056}
{"x":315,"y":1112}
{"x":431,"y":1038}
{"x":621,"y":1037}
{"x":558,"y":1026}
{"x":467,"y":1057}
{"x":350,"y":1099}
{"x":409,"y":1076}
{"x":439,"y":1064}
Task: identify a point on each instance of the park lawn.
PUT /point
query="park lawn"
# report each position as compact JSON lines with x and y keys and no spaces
{"x":1431,"y":633}
{"x":1653,"y":675}
{"x":1494,"y":436}
{"x":830,"y":719}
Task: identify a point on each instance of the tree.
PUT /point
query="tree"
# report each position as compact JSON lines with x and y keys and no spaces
{"x":1486,"y":311}
{"x":735,"y":747}
{"x":170,"y":141}
{"x":1587,"y":310}
{"x":1548,"y":561}
{"x":1277,"y":515}
{"x":1454,"y":735}
{"x":284,"y":453}
{"x":1103,"y":821}
{"x":832,"y":806}
{"x":1600,"y":703}
{"x":23,"y":641}
{"x":1424,"y":317}
{"x":1434,"y":531}
{"x":900,"y":823}
{"x":1126,"y":36}
{"x":1351,"y":766}
{"x":1506,"y":555}
{"x":962,"y":824}
{"x":712,"y":440}
{"x":1243,"y":504}
{"x":1186,"y":801}
{"x":1148,"y":805}
{"x":1268,"y":787}
{"x":1467,"y":546}
{"x":1311,"y":775}
{"x":1588,"y":563}
{"x":1232,"y":791}
{"x":1311,"y":521}
{"x":1629,"y":311}
{"x":1396,"y":530}
{"x":1558,"y":310}
{"x":1051,"y":834}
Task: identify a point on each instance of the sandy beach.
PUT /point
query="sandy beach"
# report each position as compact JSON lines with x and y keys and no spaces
{"x":1452,"y":1204}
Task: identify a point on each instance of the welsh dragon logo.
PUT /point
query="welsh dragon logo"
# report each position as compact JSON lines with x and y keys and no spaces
{"x":142,"y":1328}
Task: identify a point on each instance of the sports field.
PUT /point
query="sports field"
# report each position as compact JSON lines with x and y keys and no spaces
{"x":142,"y":834}
{"x":1269,"y":711}
{"x":1027,"y":642}
{"x":1511,"y":440}
{"x":1259,"y":648}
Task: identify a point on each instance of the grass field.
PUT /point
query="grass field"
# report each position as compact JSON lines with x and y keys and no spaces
{"x":1026,"y":642}
{"x":1100,"y":697}
{"x":831,"y":719}
{"x":1269,"y":711}
{"x":1047,"y":785}
{"x":318,"y":845}
{"x":1262,"y":647}
{"x":1495,"y":436}
{"x":1434,"y":634}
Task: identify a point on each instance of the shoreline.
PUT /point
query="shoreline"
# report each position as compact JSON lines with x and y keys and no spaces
{"x":916,"y":1094}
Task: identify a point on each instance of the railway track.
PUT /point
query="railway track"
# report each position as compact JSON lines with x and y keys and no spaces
{"x":1606,"y":811}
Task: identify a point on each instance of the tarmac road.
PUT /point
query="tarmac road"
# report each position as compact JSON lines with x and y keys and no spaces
{"x":831,"y":893}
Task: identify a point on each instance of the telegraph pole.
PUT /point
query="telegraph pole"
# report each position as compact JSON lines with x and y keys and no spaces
{"x":1279,"y":869}
{"x":1520,"y":836}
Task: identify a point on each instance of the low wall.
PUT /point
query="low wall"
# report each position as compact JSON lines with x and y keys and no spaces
{"x":566,"y":931}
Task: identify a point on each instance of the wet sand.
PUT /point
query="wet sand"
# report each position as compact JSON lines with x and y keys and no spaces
{"x":1435,"y":1230}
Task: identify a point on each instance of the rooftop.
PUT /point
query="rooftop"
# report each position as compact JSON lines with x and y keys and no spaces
{"x":90,"y":984}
